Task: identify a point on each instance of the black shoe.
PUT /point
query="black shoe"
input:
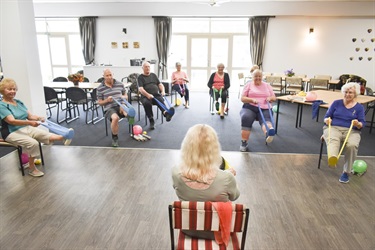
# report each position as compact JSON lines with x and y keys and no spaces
{"x":152,"y":124}
{"x":168,"y":116}
{"x":221,"y":116}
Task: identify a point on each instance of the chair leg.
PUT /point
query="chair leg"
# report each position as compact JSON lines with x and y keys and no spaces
{"x":41,"y":153}
{"x":320,"y":153}
{"x":19,"y":151}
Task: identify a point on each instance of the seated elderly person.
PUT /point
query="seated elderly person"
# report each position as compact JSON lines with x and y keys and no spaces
{"x":19,"y":126}
{"x":340,"y":116}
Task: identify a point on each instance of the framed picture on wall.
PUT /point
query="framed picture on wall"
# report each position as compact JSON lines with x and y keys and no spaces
{"x":114,"y":45}
{"x":136,"y":45}
{"x":125,"y":45}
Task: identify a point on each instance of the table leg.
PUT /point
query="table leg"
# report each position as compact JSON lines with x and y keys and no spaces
{"x":277,"y":115}
{"x":300,"y":115}
{"x":297,"y":116}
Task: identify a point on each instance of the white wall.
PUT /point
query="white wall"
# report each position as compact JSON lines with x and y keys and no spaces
{"x":288,"y":44}
{"x":328,"y":52}
{"x":139,"y":29}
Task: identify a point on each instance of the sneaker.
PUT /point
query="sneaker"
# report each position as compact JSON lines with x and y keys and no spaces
{"x":36,"y":173}
{"x":152,"y":124}
{"x":269,"y":139}
{"x":115,"y":142}
{"x":217,"y":106}
{"x":67,"y":142}
{"x":168,"y":116}
{"x":243,"y":147}
{"x":344,"y":178}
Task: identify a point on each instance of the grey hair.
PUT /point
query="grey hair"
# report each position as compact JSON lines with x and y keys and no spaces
{"x":353,"y":85}
{"x":220,"y":64}
{"x":257,"y":71}
{"x":178,"y":63}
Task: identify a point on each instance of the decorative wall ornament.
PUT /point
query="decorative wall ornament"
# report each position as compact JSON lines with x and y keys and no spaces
{"x":354,"y":39}
{"x":357,"y":49}
{"x":125,"y":45}
{"x":363,"y":40}
{"x":369,"y":58}
{"x":351,"y":58}
{"x":114,"y":45}
{"x":369,"y":30}
{"x":360,"y":58}
{"x":136,"y":45}
{"x":367,"y":49}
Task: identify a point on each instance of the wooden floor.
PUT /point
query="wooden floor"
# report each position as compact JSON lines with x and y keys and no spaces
{"x":103,"y":198}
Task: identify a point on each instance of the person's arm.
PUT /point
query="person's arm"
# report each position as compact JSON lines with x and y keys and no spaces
{"x":32,"y":117}
{"x":211,"y":81}
{"x":101,"y":100}
{"x":174,"y":78}
{"x":360,"y":122}
{"x":15,"y":122}
{"x":328,"y":116}
{"x":226,"y":81}
{"x":272,"y":96}
{"x":245,"y":95}
{"x":233,"y":191}
{"x":186,"y":78}
{"x":161,"y":89}
{"x":145,"y":93}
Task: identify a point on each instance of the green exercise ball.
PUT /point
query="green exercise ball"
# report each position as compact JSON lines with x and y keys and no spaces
{"x":274,"y":108}
{"x":359,"y":166}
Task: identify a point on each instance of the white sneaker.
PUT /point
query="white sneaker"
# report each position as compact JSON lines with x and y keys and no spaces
{"x":269,"y":139}
{"x":67,"y":142}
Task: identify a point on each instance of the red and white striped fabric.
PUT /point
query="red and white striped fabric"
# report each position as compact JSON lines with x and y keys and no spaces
{"x":189,"y":215}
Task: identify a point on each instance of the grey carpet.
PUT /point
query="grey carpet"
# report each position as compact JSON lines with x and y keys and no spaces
{"x":169,"y":135}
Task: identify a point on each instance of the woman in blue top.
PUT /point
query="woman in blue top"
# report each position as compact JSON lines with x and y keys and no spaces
{"x":340,"y":115}
{"x":18,"y":125}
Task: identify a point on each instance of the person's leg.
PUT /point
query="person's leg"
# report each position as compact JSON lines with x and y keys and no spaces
{"x":147,"y":105}
{"x":351,"y":150}
{"x":267,"y":119}
{"x":224,"y":95}
{"x":166,"y":113}
{"x":22,"y":137}
{"x":177,"y":88}
{"x":187,"y":92}
{"x":333,"y":140}
{"x":247,"y":119}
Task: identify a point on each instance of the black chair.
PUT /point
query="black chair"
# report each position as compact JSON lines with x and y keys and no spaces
{"x":74,"y":97}
{"x":60,"y":79}
{"x":52,"y":100}
{"x":85,"y":79}
{"x":101,"y":79}
{"x":94,"y":106}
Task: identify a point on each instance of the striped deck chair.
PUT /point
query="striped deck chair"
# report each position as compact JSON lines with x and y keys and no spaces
{"x":192,"y":215}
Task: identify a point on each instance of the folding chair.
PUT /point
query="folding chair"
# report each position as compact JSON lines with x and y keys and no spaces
{"x":202,"y":216}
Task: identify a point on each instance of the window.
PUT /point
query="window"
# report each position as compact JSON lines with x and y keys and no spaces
{"x":201,"y":43}
{"x":59,"y":46}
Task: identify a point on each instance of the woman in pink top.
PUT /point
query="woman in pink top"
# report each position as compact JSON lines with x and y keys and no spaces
{"x":254,"y":93}
{"x":179,"y":83}
{"x":220,"y":83}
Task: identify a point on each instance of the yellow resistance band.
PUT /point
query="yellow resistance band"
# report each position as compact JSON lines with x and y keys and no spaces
{"x":332,"y":160}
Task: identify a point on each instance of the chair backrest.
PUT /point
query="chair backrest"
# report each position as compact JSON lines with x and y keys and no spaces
{"x":85,"y":79}
{"x":133,"y":78}
{"x":327,"y":77}
{"x":50,"y":94}
{"x":318,"y":83}
{"x":60,"y":79}
{"x":100,"y":79}
{"x":300,"y":75}
{"x":273,"y":79}
{"x":194,"y":215}
{"x":240,"y":75}
{"x":94,"y":94}
{"x":294,"y":81}
{"x":76,"y":95}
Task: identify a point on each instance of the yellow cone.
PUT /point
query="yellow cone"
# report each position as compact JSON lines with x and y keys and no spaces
{"x":178,"y":102}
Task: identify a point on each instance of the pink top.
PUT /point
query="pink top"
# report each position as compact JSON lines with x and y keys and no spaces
{"x":177,"y":75}
{"x":260,"y":93}
{"x":218,"y":82}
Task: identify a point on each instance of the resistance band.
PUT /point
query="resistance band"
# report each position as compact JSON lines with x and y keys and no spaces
{"x":332,"y":160}
{"x":58,"y":129}
{"x":125,"y":105}
{"x":169,"y":109}
{"x":270,"y":131}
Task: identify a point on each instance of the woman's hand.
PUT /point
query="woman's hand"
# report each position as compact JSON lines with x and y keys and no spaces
{"x":34,"y":123}
{"x":254,"y":101}
{"x":270,"y":99}
{"x":328,"y":121}
{"x":357,"y":123}
{"x":232,"y":170}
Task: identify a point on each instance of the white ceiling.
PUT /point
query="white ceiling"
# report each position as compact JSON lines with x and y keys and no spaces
{"x":176,"y":8}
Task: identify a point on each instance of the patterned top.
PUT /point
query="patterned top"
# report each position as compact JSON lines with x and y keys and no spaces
{"x":117,"y":91}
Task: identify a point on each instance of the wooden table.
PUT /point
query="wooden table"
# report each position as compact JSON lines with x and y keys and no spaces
{"x":65,"y":85}
{"x":326,"y":96}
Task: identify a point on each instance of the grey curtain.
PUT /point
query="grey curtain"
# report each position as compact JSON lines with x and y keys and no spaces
{"x":163,"y":28}
{"x":87,"y":29}
{"x":258,"y":33}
